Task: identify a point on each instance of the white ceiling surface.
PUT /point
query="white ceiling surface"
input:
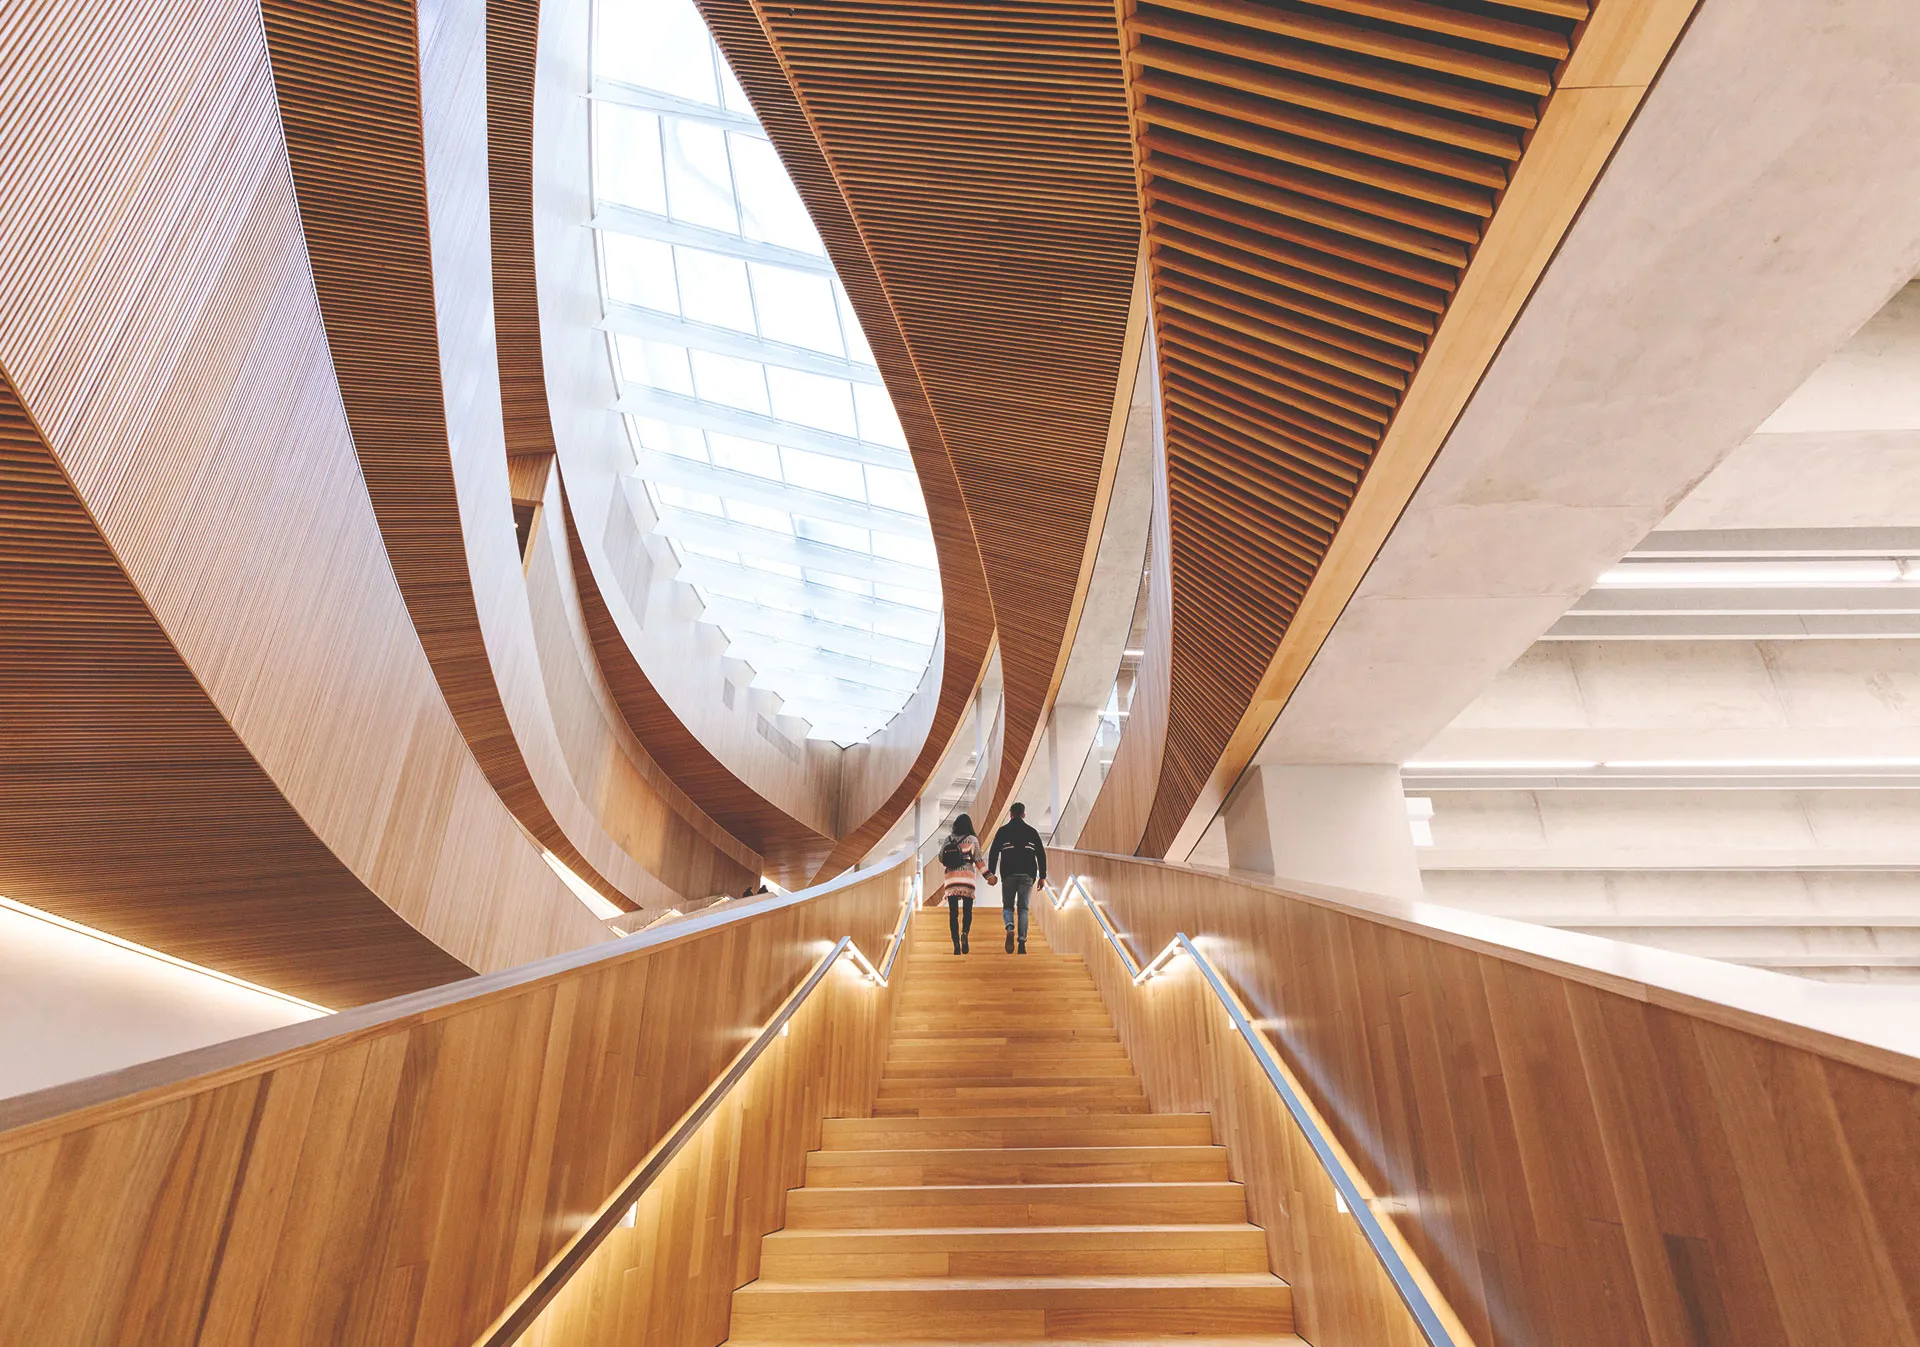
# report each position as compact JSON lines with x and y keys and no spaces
{"x":770,"y":449}
{"x":1757,"y":213}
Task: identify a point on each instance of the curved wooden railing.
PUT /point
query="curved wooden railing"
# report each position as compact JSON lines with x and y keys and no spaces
{"x":429,"y":1169}
{"x":1578,"y":1142}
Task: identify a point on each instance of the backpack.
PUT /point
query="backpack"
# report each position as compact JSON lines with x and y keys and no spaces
{"x":954,"y":855}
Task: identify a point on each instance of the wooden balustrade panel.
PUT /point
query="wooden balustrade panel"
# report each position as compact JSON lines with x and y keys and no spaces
{"x":1191,"y":1060}
{"x":1576,"y":1158}
{"x":668,"y":1279}
{"x":394,"y":1174}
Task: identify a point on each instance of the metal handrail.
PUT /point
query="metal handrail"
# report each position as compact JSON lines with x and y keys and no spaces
{"x":1426,"y":1314}
{"x":520,"y":1315}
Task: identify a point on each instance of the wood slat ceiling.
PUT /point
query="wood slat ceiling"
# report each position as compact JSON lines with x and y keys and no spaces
{"x":128,"y":803}
{"x":983,"y":163}
{"x":1316,"y":178}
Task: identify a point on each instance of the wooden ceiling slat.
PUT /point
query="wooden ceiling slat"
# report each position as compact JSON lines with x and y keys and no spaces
{"x":1241,"y":251}
{"x":1438,"y":91}
{"x":1446,"y":179}
{"x":1527,"y":77}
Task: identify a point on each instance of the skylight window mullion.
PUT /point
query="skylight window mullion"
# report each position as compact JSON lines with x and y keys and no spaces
{"x":678,"y":409}
{"x":612,"y":217}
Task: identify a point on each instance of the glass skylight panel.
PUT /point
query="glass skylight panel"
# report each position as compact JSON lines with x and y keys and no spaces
{"x":814,"y":556}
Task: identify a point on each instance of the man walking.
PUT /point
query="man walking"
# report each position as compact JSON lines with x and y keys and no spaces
{"x":1025,"y":863}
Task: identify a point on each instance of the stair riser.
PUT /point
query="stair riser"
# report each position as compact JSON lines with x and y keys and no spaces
{"x":1121,"y":1262}
{"x":871,"y":1209}
{"x":873,"y":1134}
{"x":962,"y":1317}
{"x":1203,"y":1170}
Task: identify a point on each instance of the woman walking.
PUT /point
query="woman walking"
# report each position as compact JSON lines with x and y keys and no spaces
{"x":960,"y":856}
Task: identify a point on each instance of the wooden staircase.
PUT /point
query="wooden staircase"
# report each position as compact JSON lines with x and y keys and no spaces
{"x":1012,"y":1186}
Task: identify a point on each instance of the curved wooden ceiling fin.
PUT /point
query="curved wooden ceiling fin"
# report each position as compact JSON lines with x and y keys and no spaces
{"x":985,"y":173}
{"x":128,"y":803}
{"x":967,"y":606}
{"x":1344,"y":216}
{"x":354,"y":87}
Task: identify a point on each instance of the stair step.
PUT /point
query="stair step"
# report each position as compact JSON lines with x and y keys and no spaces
{"x":1067,"y":1250}
{"x":1006,"y":1164}
{"x":1013,"y":1308}
{"x":1020,"y":1066}
{"x":1018,"y":1131}
{"x":1019,"y":1204}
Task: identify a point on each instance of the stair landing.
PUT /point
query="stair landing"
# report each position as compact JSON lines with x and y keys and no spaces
{"x":1012,"y":1185}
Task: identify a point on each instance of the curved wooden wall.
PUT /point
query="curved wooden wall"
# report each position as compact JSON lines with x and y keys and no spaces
{"x":129,"y":804}
{"x":1346,"y":207}
{"x":641,"y":807}
{"x":393,"y":1175}
{"x":983,"y":180}
{"x":158,"y":326}
{"x":788,"y":848}
{"x":1578,"y":1157}
{"x":387,"y":139}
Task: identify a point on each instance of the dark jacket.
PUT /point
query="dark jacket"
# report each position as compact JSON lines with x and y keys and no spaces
{"x":1024,"y":852}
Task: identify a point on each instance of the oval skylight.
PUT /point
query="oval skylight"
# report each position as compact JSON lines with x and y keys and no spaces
{"x":758,"y":421}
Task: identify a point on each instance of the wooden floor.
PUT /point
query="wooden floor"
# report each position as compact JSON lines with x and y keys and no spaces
{"x":1012,"y":1186}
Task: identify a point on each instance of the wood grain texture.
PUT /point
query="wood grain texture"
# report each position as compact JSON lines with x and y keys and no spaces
{"x":1346,"y":206}
{"x":1191,"y":1061}
{"x":669,"y":1278}
{"x":158,"y":326}
{"x":1576,"y":1158}
{"x":1010,"y":1184}
{"x":396,"y":1174}
{"x":127,"y":801}
{"x":386,"y":125}
{"x":983,"y":172}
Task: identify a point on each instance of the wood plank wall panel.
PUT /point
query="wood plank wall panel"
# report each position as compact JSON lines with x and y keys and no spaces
{"x":158,"y":324}
{"x":643,"y":810}
{"x":668,"y":1279}
{"x":967,"y":608}
{"x":985,"y":166}
{"x":387,"y":139}
{"x":1318,"y":178}
{"x":128,"y":802}
{"x":1576,"y":1158}
{"x":1191,"y":1060}
{"x":397,"y":1174}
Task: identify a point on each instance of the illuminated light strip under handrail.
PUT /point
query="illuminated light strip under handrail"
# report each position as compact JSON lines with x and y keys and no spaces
{"x":518,"y":1317}
{"x":1433,"y":1325}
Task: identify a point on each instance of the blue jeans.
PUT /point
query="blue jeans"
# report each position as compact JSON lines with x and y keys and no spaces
{"x":1015,"y":890}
